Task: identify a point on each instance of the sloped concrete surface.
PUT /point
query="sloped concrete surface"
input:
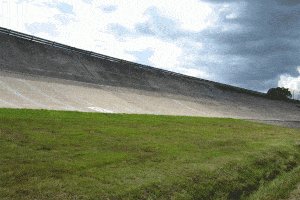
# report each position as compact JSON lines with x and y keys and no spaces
{"x":38,"y":76}
{"x":36,"y":92}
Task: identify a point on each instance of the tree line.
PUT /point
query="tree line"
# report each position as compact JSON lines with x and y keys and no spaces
{"x":279,"y":93}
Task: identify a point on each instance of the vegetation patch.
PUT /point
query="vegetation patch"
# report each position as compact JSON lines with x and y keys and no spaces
{"x":74,"y":155}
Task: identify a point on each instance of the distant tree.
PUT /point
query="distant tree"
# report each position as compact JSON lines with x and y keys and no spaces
{"x":279,"y":93}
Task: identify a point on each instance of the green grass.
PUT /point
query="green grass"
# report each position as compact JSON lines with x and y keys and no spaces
{"x":73,"y":155}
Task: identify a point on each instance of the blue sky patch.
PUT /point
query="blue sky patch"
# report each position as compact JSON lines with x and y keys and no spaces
{"x":65,"y":8}
{"x":109,"y":9}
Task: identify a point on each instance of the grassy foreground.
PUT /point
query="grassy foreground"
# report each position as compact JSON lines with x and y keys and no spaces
{"x":73,"y":155}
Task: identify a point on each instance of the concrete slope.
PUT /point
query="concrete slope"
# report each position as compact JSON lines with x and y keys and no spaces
{"x":40,"y":76}
{"x":34,"y":92}
{"x":24,"y":56}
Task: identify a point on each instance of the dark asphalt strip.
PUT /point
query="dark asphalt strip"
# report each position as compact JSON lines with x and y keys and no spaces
{"x":288,"y":124}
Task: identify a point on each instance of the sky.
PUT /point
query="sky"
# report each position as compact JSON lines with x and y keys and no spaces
{"x":252,"y":44}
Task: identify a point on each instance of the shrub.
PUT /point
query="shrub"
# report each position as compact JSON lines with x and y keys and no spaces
{"x":279,"y":93}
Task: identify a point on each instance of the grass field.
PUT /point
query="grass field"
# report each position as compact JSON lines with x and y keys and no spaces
{"x":73,"y":155}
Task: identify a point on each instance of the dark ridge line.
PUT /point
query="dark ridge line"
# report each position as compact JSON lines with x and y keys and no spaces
{"x":116,"y":60}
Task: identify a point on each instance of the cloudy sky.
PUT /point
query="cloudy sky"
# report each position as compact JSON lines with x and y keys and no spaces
{"x":253,"y":44}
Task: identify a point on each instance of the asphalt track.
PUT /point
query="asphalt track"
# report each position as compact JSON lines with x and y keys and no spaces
{"x":37,"y":76}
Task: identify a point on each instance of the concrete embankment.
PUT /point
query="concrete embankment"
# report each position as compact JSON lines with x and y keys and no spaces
{"x":39,"y":76}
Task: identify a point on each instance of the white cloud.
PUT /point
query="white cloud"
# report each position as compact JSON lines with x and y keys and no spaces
{"x":194,"y":72}
{"x":166,"y":55}
{"x":193,"y":16}
{"x":15,"y":16}
{"x":292,"y":83}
